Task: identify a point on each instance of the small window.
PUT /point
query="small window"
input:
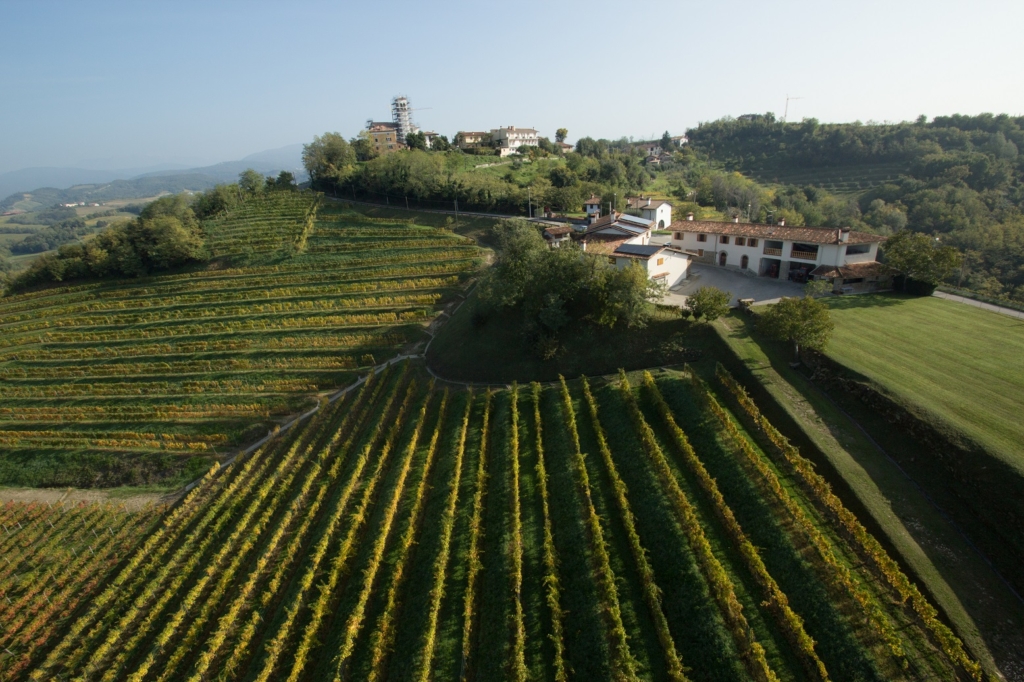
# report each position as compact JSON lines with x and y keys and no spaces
{"x":611,"y":259}
{"x":857,"y":248}
{"x":678,"y":235}
{"x":661,"y":261}
{"x":702,"y":237}
{"x":740,"y":241}
{"x":700,"y":253}
{"x":751,"y":242}
{"x":724,"y":239}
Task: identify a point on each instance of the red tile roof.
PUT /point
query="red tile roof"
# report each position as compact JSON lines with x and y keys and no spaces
{"x":810,"y":235}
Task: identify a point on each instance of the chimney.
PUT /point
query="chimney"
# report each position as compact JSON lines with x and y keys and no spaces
{"x":844,"y":235}
{"x":648,"y":201}
{"x":782,"y":222}
{"x":584,"y":242}
{"x":689,"y":216}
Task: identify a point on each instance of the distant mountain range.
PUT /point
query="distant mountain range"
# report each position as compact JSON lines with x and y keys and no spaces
{"x":48,"y":186}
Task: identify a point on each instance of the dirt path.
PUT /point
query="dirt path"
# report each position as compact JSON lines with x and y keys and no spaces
{"x":133,"y":501}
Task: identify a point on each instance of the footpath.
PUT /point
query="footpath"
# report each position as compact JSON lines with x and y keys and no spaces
{"x":1019,"y":314}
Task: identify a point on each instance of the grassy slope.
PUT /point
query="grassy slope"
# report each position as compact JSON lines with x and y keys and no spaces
{"x":976,"y":601}
{"x":959,"y":362}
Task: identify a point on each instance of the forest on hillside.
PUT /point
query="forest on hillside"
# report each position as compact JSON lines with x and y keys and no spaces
{"x":957,"y":178}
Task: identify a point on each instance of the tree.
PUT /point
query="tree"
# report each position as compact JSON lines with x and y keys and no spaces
{"x":328,"y":159}
{"x":250,"y":181}
{"x":416,"y":141}
{"x":708,"y":302}
{"x":921,"y":257}
{"x":440,"y":144}
{"x":817,"y":287}
{"x":666,"y":141}
{"x":804,"y":322}
{"x":561,"y":134}
{"x":363,"y":146}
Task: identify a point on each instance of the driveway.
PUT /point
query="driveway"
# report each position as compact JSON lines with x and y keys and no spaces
{"x":761,"y":289}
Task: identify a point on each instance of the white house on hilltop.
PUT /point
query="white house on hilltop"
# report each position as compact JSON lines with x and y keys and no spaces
{"x":846,"y":258}
{"x":509,"y":140}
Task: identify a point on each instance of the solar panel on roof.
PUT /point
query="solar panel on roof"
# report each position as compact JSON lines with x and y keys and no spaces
{"x":638,"y":249}
{"x":634,"y":219}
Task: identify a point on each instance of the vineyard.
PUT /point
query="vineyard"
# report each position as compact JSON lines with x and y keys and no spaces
{"x":149,"y":380}
{"x":644,"y":527}
{"x":56,"y":557}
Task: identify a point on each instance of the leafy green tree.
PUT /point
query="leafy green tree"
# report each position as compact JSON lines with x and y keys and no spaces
{"x":328,"y":159}
{"x":561,"y":134}
{"x":804,"y":322}
{"x":708,"y":302}
{"x":562,"y":176}
{"x":416,"y":141}
{"x":817,"y":287}
{"x":666,"y":141}
{"x":362,"y":146}
{"x":440,"y":144}
{"x":251,"y":182}
{"x":921,"y":257}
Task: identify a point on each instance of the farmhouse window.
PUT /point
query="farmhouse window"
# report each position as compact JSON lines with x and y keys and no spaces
{"x":611,"y":259}
{"x":857,"y":248}
{"x":679,"y":235}
{"x":751,"y":242}
{"x":740,"y":241}
{"x":725,"y":239}
{"x":702,"y":237}
{"x":661,"y":261}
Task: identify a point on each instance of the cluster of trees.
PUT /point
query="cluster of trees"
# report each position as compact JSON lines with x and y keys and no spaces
{"x":961,"y":180}
{"x":166,"y":235}
{"x":555,"y":288}
{"x":51,"y":237}
{"x":49,"y":216}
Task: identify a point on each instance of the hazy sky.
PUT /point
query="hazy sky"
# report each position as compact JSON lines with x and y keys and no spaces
{"x":114,"y":84}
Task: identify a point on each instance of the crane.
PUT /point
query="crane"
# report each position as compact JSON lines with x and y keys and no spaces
{"x":786,"y":112}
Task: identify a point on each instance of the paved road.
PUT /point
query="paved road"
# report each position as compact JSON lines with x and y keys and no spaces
{"x":761,"y":289}
{"x":980,"y":304}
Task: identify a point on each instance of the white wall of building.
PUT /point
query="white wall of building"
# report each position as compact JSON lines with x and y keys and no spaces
{"x":673,"y":265}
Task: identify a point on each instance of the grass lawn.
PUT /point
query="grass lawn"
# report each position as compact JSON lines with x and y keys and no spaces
{"x":961,"y":363}
{"x":979,"y":605}
{"x":497,"y":351}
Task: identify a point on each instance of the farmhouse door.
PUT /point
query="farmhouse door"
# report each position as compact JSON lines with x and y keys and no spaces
{"x":743,"y":262}
{"x":722,"y":258}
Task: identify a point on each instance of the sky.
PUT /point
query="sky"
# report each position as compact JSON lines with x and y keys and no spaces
{"x":108,"y":85}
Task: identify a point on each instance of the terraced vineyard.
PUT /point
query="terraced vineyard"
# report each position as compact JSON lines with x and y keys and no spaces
{"x":846,"y":180}
{"x":585,"y":530}
{"x":148,"y":380}
{"x":56,"y":558}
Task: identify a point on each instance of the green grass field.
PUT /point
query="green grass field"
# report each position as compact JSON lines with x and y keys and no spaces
{"x":963,"y":364}
{"x":611,"y":531}
{"x":145,"y":381}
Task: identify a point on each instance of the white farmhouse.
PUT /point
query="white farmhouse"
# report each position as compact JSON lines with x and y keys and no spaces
{"x":626,"y":240}
{"x":847,"y":259}
{"x":655,"y":210}
{"x":592,"y":206}
{"x":509,"y":140}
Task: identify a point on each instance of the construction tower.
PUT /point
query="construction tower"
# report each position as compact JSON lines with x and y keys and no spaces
{"x":401,"y":114}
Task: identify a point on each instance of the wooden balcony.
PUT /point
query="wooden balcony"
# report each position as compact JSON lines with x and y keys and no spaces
{"x":803,"y":255}
{"x":772,"y":252}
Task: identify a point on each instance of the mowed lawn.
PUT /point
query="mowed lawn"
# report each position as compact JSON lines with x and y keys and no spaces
{"x":964,"y":364}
